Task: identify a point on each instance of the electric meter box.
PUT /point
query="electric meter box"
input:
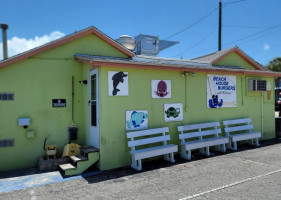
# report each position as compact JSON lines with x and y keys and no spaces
{"x":24,"y":121}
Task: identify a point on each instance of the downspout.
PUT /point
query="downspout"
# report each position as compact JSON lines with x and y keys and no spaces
{"x":185,"y":95}
{"x":242,"y":89}
{"x":262,"y":115}
{"x":4,"y":28}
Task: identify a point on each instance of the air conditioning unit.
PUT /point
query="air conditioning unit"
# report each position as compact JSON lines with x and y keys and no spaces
{"x":257,"y":85}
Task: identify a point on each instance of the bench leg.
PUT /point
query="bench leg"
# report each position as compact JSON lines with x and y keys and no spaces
{"x":139,"y":165}
{"x":169,"y":157}
{"x":136,"y":164}
{"x":229,"y":145}
{"x":223,"y":149}
{"x":186,"y":154}
{"x":257,"y":142}
{"x":235,"y":146}
{"x":189,"y":155}
{"x":183,"y":154}
{"x":172,"y":158}
{"x":207,"y":153}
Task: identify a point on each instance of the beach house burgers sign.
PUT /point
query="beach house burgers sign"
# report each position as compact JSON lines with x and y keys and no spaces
{"x":221,"y":91}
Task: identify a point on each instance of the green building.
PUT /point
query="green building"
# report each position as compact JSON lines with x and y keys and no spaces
{"x":111,"y":84}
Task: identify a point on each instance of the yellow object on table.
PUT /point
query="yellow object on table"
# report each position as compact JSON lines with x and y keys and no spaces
{"x":71,"y":149}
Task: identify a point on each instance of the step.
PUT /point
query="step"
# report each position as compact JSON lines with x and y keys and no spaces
{"x":83,"y":165}
{"x":67,"y":167}
{"x":78,"y":158}
{"x":88,"y":149}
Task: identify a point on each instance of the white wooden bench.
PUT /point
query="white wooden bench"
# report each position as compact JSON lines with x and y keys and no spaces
{"x":205,"y":135}
{"x":243,"y":127}
{"x":150,"y":136}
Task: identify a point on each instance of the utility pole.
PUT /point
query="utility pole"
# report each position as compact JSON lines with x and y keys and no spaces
{"x":220,"y":10}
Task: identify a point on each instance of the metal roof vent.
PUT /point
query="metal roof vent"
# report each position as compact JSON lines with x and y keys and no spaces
{"x":127,"y":42}
{"x":4,"y":28}
{"x":151,"y":45}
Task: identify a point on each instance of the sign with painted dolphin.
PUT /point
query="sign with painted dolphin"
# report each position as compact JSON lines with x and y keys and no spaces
{"x":118,"y":83}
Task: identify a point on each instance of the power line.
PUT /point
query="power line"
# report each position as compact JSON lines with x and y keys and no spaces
{"x":201,"y":19}
{"x":232,"y":2}
{"x":196,"y":44}
{"x":188,"y":27}
{"x":260,"y":32}
{"x":277,"y":30}
{"x":234,"y":26}
{"x":243,"y":38}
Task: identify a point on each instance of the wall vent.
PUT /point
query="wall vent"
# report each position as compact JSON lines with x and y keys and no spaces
{"x":7,"y":142}
{"x":6,"y":96}
{"x":257,"y":85}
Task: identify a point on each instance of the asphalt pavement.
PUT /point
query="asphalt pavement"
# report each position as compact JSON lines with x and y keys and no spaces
{"x":249,"y":173}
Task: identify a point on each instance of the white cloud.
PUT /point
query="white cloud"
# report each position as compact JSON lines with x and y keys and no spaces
{"x":18,"y":45}
{"x":266,"y":47}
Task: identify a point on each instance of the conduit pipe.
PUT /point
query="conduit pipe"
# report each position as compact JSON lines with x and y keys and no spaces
{"x":262,"y":115}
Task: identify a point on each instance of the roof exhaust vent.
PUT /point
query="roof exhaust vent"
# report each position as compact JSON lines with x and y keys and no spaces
{"x":127,"y":42}
{"x":4,"y":28}
{"x":151,"y":45}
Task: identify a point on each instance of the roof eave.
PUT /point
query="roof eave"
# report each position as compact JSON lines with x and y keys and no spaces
{"x":99,"y":63}
{"x":243,"y":55}
{"x":62,"y":41}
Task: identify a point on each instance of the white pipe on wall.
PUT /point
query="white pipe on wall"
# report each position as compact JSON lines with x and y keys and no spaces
{"x":262,"y":115}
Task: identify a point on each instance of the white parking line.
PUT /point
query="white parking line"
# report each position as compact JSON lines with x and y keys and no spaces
{"x":230,"y":185}
{"x":31,"y":192}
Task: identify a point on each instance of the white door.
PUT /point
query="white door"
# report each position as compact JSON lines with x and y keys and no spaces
{"x":94,"y":109}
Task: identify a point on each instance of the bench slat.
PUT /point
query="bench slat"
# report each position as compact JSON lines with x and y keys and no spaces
{"x":147,"y":132}
{"x":197,"y":126}
{"x":199,"y":133}
{"x":245,"y":136}
{"x":237,"y":121}
{"x":148,"y":141}
{"x":238,"y":128}
{"x":197,"y":144}
{"x":154,"y":151}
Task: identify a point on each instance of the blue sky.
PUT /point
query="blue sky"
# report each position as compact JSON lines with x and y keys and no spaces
{"x":33,"y":22}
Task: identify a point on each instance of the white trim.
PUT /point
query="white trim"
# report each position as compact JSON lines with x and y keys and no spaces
{"x":94,"y":130}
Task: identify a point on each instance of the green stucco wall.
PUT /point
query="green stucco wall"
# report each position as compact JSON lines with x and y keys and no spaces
{"x":233,"y":59}
{"x":189,"y":90}
{"x":35,"y":82}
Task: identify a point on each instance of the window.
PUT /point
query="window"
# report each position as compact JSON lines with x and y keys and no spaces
{"x":6,"y":96}
{"x":94,"y":100}
{"x":7,"y":142}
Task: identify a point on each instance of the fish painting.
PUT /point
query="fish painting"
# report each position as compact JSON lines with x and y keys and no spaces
{"x":117,"y":78}
{"x":137,"y":118}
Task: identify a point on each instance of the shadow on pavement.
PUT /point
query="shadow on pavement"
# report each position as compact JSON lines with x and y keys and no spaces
{"x":119,"y":173}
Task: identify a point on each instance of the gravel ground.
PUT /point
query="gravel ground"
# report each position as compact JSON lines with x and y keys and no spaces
{"x":250,"y":173}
